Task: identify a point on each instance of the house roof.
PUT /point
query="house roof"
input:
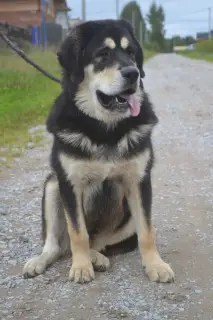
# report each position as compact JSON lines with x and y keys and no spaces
{"x":62,"y":5}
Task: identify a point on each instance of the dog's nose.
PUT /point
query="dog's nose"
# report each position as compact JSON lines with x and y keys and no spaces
{"x":130,"y":73}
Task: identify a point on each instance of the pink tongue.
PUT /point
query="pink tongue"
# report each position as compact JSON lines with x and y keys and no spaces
{"x":134,"y":105}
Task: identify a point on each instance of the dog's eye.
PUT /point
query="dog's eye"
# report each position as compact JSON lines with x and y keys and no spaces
{"x":105,"y":54}
{"x":131,"y":53}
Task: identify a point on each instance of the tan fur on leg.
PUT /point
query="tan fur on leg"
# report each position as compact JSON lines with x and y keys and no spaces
{"x":156,"y":268}
{"x":51,"y":250}
{"x":82,"y":269}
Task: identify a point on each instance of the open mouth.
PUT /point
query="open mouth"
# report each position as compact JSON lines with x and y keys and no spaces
{"x":121,"y":103}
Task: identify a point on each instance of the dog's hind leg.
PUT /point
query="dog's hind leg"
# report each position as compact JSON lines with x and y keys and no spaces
{"x":99,"y":261}
{"x":118,"y":236}
{"x":53,"y":227}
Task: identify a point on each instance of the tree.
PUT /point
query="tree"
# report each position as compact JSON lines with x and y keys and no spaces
{"x":185,"y":41}
{"x":189,"y":40}
{"x":156,"y":19}
{"x":132,"y":13}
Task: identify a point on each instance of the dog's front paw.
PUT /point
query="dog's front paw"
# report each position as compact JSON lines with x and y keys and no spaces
{"x":81,"y":271}
{"x":159,"y":271}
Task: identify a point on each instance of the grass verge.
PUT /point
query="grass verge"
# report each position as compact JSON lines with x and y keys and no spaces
{"x":203,"y":51}
{"x":148,"y":54}
{"x":198,"y":55}
{"x":25,"y":100}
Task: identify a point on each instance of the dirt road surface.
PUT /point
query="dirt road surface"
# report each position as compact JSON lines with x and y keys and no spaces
{"x":182,"y":92}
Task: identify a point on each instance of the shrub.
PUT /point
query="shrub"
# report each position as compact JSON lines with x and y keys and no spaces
{"x":205,"y":46}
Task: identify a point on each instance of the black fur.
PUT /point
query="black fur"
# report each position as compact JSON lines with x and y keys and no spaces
{"x":125,"y":246}
{"x":79,"y":48}
{"x":66,"y":116}
{"x":76,"y":53}
{"x":127,"y":214}
{"x":146,"y":196}
{"x":105,"y":206}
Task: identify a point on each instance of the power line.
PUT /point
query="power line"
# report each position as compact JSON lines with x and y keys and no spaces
{"x":195,"y":12}
{"x":186,"y":21}
{"x":207,"y":20}
{"x":183,"y":18}
{"x":85,"y":2}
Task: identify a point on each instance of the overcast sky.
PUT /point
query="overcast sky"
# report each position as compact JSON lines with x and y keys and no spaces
{"x":183,"y":17}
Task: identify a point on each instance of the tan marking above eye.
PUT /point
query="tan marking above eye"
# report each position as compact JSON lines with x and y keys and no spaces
{"x":109,"y":42}
{"x":124,"y":42}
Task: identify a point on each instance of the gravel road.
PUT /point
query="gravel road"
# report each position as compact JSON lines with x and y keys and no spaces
{"x":182,"y":91}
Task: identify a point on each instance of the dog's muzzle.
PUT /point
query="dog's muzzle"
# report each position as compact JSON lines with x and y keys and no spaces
{"x":130,"y":74}
{"x":120,"y":103}
{"x":125,"y":99}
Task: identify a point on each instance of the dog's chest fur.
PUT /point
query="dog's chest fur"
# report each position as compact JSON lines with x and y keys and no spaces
{"x":102,"y":185}
{"x":82,"y":172}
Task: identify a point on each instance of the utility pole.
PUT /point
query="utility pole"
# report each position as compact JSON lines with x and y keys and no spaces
{"x":146,"y":32}
{"x":117,"y":9}
{"x":83,"y":8}
{"x":44,"y":24}
{"x":141,"y":33}
{"x":210,"y":31}
{"x":133,"y":20}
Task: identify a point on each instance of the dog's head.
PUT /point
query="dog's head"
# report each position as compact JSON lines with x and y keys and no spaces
{"x":103,"y":66}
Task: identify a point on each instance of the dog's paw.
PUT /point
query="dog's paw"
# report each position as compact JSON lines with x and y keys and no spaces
{"x":82,"y":272}
{"x":160,"y":271}
{"x":99,"y":261}
{"x":34,"y":267}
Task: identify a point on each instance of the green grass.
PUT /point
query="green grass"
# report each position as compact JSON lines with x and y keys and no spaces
{"x":25,"y":100}
{"x":198,"y":55}
{"x":148,"y":54}
{"x":203,"y":51}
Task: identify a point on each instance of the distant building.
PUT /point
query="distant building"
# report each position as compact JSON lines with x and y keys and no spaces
{"x":191,"y":46}
{"x":179,"y":48}
{"x":184,"y":48}
{"x":204,"y":35}
{"x":27,"y":13}
{"x":62,"y":14}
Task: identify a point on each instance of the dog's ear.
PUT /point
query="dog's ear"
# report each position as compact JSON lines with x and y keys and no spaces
{"x":139,"y":51}
{"x":70,"y":55}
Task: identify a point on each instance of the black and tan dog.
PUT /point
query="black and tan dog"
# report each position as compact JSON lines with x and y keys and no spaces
{"x":99,"y":193}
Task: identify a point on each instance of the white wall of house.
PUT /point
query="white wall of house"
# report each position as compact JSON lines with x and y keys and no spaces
{"x":62,"y":19}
